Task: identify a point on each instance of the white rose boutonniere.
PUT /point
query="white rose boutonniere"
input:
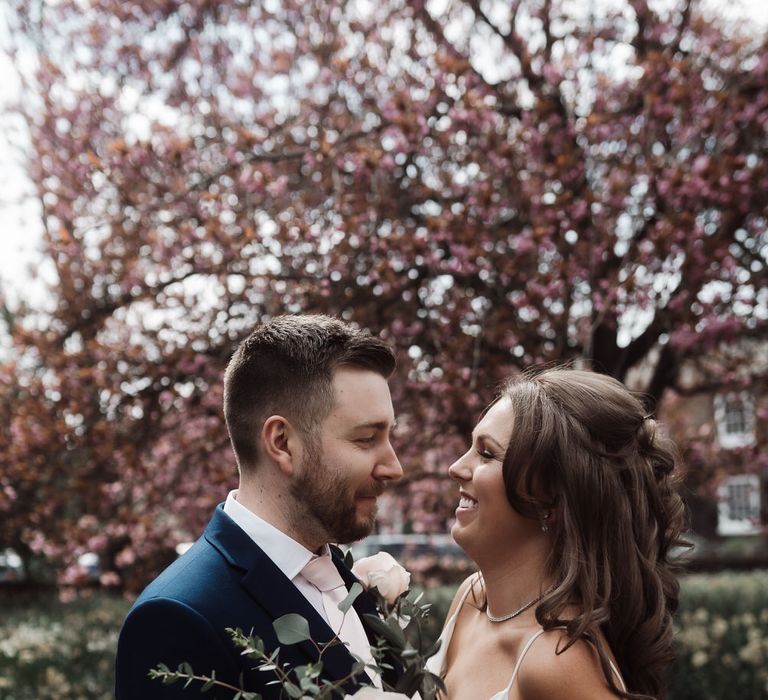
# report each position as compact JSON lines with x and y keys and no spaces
{"x":381,"y":571}
{"x":397,"y":626}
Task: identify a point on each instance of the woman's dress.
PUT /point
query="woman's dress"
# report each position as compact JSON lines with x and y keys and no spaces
{"x":437,"y":663}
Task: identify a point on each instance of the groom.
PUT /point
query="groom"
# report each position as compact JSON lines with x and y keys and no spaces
{"x":309,"y":415}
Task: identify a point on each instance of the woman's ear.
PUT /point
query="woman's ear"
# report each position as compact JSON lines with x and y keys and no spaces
{"x":278,"y":442}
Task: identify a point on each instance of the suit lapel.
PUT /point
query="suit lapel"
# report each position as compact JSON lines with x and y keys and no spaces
{"x":275,"y":593}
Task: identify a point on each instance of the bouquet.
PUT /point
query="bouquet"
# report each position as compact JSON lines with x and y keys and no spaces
{"x":399,"y":640}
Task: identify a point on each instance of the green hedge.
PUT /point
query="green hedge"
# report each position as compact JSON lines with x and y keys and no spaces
{"x":55,"y":651}
{"x":51,"y":650}
{"x":722,"y":638}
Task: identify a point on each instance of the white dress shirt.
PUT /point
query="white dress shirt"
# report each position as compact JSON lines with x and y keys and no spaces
{"x":288,"y":555}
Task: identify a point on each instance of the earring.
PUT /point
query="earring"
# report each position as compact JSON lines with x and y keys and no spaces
{"x":544,"y":518}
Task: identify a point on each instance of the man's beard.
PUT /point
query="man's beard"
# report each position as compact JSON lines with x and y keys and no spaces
{"x":324,"y":500}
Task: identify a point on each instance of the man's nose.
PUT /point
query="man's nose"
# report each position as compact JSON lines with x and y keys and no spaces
{"x":388,"y":468}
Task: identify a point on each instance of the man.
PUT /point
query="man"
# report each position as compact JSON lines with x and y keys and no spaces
{"x":309,"y":415}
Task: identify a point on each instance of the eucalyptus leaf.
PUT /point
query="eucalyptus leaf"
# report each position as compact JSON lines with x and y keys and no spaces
{"x":410,"y":681}
{"x":415,"y":596}
{"x":291,"y":629}
{"x":186,"y":669}
{"x":292,"y":689}
{"x":350,"y":598}
{"x":308,"y":684}
{"x":358,"y":667}
{"x":434,"y":648}
{"x":392,"y":635}
{"x":439,"y":682}
{"x":394,"y":625}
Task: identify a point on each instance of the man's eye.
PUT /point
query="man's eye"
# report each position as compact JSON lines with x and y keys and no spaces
{"x":366,"y":440}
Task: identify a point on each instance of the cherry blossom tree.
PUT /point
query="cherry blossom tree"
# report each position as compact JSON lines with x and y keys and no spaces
{"x":489,"y":185}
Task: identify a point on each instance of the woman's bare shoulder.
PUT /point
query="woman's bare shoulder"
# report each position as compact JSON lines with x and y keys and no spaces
{"x":573,"y":674}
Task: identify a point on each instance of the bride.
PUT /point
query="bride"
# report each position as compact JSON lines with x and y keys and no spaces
{"x":567,"y":505}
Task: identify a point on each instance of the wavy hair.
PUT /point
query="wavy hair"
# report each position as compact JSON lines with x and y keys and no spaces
{"x":584,"y":448}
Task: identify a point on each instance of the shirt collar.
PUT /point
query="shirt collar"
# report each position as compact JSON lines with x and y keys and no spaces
{"x":288,"y":555}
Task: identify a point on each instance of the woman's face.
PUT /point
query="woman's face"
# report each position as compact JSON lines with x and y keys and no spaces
{"x":486,"y":523}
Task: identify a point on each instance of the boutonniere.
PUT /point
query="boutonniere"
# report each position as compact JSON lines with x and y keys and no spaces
{"x":399,"y":644}
{"x":397,"y":627}
{"x":383,"y":573}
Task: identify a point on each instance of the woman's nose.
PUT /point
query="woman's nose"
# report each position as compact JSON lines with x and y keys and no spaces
{"x":461,"y":470}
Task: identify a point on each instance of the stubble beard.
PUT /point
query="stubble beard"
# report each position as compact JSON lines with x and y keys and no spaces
{"x":325,"y":508}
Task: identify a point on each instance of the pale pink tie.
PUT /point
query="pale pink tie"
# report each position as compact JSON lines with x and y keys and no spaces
{"x":324,"y":576}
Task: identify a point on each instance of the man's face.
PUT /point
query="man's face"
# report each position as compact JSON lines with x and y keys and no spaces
{"x":345,"y":467}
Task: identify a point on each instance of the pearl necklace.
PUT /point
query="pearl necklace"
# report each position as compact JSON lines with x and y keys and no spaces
{"x":519,"y":611}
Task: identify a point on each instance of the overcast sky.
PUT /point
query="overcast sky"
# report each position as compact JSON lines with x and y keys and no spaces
{"x":19,"y":212}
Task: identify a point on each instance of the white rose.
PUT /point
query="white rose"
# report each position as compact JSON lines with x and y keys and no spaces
{"x":381,"y":571}
{"x":375,"y":694}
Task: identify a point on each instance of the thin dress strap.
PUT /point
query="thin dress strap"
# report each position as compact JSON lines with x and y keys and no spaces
{"x":466,"y":593}
{"x":528,"y":645}
{"x":520,"y":658}
{"x":437,"y":663}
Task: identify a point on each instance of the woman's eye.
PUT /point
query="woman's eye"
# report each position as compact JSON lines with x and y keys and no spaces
{"x":485,"y":454}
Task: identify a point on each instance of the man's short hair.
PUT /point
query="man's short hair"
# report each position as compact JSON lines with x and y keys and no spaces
{"x":285,"y":367}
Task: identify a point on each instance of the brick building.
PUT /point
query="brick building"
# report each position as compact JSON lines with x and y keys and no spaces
{"x":717,"y":415}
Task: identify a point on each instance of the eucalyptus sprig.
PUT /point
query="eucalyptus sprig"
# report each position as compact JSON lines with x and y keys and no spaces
{"x":400,"y":649}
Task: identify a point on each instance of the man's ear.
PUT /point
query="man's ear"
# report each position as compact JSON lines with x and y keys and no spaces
{"x":278,"y":441}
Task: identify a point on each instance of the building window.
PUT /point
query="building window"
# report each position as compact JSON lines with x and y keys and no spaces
{"x":739,"y":505}
{"x":735,"y":419}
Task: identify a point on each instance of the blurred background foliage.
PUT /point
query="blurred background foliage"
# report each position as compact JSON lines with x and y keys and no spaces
{"x":485,"y":184}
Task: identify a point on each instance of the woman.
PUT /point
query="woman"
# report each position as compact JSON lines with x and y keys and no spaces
{"x":567,"y":504}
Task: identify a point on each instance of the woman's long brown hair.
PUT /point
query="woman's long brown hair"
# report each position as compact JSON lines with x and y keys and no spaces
{"x":583,"y":447}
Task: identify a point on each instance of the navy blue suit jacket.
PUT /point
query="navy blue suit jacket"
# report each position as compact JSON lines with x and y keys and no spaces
{"x":224,"y":580}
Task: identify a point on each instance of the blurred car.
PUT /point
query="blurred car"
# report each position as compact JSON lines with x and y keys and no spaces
{"x":11,"y":567}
